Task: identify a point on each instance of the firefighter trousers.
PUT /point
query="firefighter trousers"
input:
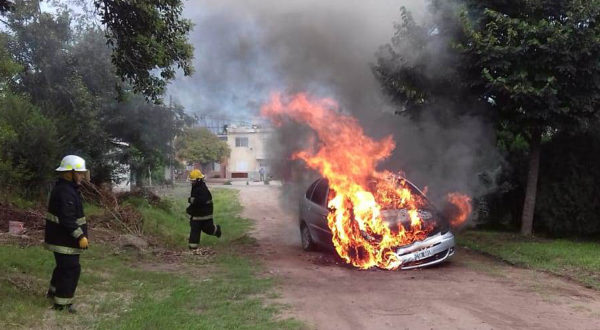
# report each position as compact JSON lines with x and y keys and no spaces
{"x":65,"y":278}
{"x":197,"y":227}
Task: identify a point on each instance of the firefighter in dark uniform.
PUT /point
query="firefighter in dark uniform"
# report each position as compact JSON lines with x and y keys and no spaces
{"x":66,"y":231}
{"x":200,"y":210}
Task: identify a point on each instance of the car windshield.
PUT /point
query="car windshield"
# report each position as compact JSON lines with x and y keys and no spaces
{"x":392,"y":213}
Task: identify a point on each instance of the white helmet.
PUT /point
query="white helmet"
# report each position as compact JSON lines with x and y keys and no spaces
{"x":72,"y":163}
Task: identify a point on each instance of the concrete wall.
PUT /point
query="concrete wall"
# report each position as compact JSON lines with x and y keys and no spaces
{"x":247,"y":160}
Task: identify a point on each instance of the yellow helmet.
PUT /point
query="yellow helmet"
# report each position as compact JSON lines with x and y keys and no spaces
{"x":196,"y":174}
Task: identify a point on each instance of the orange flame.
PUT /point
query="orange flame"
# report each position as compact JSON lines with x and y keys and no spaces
{"x":461,"y":209}
{"x":362,"y":199}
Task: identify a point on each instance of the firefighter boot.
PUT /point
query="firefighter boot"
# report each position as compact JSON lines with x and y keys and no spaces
{"x":218,"y":231}
{"x":68,"y":307}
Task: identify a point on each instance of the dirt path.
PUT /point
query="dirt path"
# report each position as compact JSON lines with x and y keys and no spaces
{"x":471,"y":292}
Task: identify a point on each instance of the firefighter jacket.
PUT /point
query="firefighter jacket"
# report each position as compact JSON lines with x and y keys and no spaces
{"x":201,"y":204}
{"x":65,"y":222}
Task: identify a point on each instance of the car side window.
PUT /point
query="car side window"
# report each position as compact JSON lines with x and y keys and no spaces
{"x":310,"y":189}
{"x":319,"y":196}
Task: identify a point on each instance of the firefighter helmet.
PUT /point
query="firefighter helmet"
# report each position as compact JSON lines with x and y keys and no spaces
{"x":72,"y":163}
{"x":196,"y":174}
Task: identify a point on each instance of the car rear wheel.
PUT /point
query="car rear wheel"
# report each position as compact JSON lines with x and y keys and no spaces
{"x":307,"y":242}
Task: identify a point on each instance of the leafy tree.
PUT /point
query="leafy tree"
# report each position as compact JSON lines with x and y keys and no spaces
{"x":200,"y":145}
{"x":72,"y":80}
{"x":530,"y":66}
{"x":149,"y":39}
{"x":24,"y":132}
{"x":147,"y":36}
{"x":29,"y":145}
{"x":421,"y":71}
{"x":539,"y":64}
{"x":149,"y":129}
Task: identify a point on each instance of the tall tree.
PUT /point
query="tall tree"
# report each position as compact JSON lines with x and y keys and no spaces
{"x":532,"y":66}
{"x":540,"y":66}
{"x":69,"y":75}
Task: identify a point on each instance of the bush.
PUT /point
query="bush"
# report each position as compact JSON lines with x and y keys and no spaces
{"x":568,"y":198}
{"x":29,"y":144}
{"x":568,"y":201}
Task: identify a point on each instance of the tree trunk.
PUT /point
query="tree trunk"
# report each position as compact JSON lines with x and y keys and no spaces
{"x":532,"y":179}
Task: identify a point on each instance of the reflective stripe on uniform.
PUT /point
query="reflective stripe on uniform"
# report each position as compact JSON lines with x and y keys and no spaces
{"x":77,"y":232}
{"x":52,"y":218}
{"x":206,"y":217}
{"x":62,"y":249}
{"x":80,"y":221}
{"x":63,"y":301}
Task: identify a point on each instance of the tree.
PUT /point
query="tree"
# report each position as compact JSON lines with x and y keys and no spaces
{"x":69,"y":75}
{"x":5,"y":6}
{"x":149,"y":129}
{"x":147,"y":36}
{"x":28,"y":139}
{"x":540,"y":67}
{"x":530,"y":66}
{"x":29,"y":145}
{"x":149,"y":39}
{"x":420,"y":70}
{"x":200,"y":145}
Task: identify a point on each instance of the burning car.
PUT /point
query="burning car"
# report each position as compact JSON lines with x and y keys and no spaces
{"x":373,"y":218}
{"x":435,"y":247}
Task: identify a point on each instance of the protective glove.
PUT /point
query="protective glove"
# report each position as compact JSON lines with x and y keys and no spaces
{"x":83,"y":242}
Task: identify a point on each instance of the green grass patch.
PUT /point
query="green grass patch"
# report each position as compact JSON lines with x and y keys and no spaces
{"x":173,"y":226}
{"x":92,"y":209}
{"x":576,"y":260}
{"x":128,"y":291}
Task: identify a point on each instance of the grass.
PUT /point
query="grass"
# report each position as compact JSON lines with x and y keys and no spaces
{"x":172,"y":226}
{"x":127,"y":291}
{"x":576,"y":260}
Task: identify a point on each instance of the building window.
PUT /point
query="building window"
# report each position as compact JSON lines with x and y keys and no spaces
{"x":241,"y":142}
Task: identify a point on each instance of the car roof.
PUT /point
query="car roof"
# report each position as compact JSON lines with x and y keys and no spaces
{"x":412,"y":185}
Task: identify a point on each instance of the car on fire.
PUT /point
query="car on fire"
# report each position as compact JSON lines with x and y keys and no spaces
{"x":438,"y":247}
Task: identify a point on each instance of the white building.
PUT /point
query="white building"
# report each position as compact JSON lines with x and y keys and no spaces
{"x":249,"y":152}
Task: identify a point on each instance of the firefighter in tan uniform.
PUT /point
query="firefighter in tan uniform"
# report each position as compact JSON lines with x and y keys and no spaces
{"x":200,"y":210}
{"x":66,"y":231}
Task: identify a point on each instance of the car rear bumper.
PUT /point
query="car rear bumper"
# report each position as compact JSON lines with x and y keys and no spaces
{"x":434,"y":250}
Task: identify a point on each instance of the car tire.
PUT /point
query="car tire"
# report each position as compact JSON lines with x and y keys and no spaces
{"x":306,"y":239}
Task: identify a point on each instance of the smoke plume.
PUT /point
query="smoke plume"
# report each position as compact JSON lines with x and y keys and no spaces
{"x":247,"y":49}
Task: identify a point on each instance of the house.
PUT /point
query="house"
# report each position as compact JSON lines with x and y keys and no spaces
{"x":249,"y":151}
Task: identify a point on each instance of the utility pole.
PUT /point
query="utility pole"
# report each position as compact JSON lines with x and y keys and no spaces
{"x":172,"y":147}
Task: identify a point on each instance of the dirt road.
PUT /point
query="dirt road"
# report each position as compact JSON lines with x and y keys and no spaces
{"x":470,"y":292}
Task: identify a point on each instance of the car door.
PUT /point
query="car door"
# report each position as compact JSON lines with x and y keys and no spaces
{"x":305,"y":203}
{"x":317,"y":212}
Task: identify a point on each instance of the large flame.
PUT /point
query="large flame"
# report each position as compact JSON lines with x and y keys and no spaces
{"x":361,"y":196}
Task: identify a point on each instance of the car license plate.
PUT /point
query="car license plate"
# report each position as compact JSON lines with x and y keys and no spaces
{"x":423,"y":254}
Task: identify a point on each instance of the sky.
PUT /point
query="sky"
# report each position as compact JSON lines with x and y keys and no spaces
{"x":245,"y":50}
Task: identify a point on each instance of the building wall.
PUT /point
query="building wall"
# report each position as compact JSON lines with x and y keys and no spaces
{"x":245,"y":161}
